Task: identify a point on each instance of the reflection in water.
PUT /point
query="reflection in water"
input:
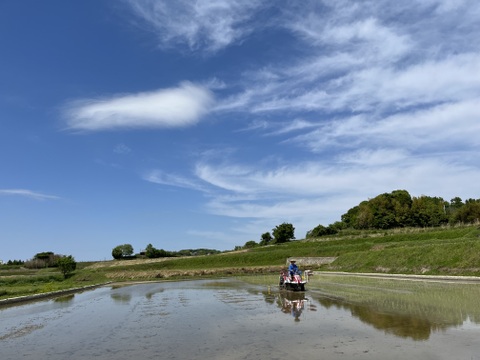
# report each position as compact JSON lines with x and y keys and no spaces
{"x":121,"y":298}
{"x":64,"y":299}
{"x":402,"y":325}
{"x":149,"y":295}
{"x":403,"y":308}
{"x":289,"y":302}
{"x":231,"y":320}
{"x":407,"y":309}
{"x":292,"y":303}
{"x":123,"y":295}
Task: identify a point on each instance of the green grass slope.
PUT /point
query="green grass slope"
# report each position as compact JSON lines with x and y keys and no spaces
{"x":446,"y":250}
{"x":432,"y":251}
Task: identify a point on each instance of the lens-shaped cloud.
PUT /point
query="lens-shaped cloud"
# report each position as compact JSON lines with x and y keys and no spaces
{"x":173,"y":107}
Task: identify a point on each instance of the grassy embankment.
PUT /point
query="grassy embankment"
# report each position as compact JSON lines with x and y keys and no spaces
{"x":433,"y":251}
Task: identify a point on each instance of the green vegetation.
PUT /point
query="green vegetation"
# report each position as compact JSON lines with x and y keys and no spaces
{"x":408,"y":309}
{"x":122,"y":251}
{"x":399,"y":209}
{"x":43,"y":260}
{"x":151,"y":252}
{"x":281,"y":234}
{"x":448,"y":250}
{"x":391,"y":233}
{"x":67,"y":265}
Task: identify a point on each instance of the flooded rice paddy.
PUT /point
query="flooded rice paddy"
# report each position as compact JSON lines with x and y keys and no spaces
{"x":250,"y":318}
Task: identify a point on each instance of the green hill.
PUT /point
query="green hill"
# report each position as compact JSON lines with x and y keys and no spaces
{"x":444,"y":250}
{"x":448,"y":250}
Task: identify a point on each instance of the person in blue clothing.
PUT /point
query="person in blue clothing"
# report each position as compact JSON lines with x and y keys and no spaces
{"x":292,"y":268}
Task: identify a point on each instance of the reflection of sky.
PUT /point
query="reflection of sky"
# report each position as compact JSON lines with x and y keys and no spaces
{"x":209,"y":319}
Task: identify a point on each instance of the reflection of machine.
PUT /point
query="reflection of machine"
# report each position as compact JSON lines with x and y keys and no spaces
{"x":295,"y":282}
{"x":294,"y":304}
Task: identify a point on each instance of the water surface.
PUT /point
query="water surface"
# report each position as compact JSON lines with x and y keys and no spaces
{"x":233,"y":319}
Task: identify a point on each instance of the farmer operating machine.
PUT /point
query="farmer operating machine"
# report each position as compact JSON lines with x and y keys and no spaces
{"x":291,"y":279}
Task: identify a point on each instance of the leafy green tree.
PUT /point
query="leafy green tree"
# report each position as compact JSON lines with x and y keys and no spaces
{"x":43,"y":255}
{"x":349,"y":218}
{"x":365,"y":217}
{"x":456,"y":203}
{"x":66,"y":264}
{"x":42,"y":260}
{"x":469,"y":213}
{"x":390,"y":210}
{"x":151,"y":252}
{"x":47,"y":258}
{"x":117,"y":252}
{"x":399,"y":209}
{"x":385,"y":211}
{"x":15,"y":262}
{"x":250,"y":244}
{"x":338,"y":225}
{"x":283,"y":233}
{"x":321,"y":230}
{"x":266,"y":239}
{"x":122,"y":251}
{"x":428,"y":211}
{"x":453,"y":207}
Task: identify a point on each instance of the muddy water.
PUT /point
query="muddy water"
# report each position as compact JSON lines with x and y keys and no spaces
{"x":232,"y":319}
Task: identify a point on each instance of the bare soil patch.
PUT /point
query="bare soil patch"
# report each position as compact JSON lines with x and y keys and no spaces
{"x":165,"y":274}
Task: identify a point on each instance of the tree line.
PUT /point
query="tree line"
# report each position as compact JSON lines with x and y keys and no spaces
{"x":125,"y":252}
{"x":14,"y":262}
{"x":280,"y":234}
{"x":66,"y":264}
{"x":399,"y":209}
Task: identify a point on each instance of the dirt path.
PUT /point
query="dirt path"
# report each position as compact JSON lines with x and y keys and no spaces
{"x":434,"y":278}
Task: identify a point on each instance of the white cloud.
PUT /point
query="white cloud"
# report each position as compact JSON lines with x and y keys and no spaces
{"x":122,"y":149}
{"x":162,"y":178}
{"x":359,"y":60}
{"x":303,"y":179}
{"x":384,"y":95}
{"x":374,"y":157}
{"x":174,"y":107}
{"x":447,"y":6}
{"x":451,"y":125}
{"x":310,"y":190}
{"x":430,"y":82}
{"x":206,"y":25}
{"x":363,"y":89}
{"x":292,"y":126}
{"x":357,"y":36}
{"x":28,"y":193}
{"x":223,"y":179}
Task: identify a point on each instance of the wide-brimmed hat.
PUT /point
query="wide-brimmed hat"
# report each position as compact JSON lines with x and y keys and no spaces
{"x":293,"y":260}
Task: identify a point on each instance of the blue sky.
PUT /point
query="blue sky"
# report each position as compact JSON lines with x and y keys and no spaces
{"x":203,"y":124}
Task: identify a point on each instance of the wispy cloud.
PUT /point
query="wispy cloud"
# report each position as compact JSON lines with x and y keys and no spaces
{"x":174,"y":107}
{"x":313,"y":191}
{"x":292,"y":126}
{"x":381,"y":97}
{"x":431,"y":130}
{"x":200,"y":25}
{"x":359,"y":60}
{"x":122,"y":149}
{"x":28,"y":193}
{"x":163,"y":178}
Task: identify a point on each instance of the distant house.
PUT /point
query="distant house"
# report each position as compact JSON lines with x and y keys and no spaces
{"x":1,"y":262}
